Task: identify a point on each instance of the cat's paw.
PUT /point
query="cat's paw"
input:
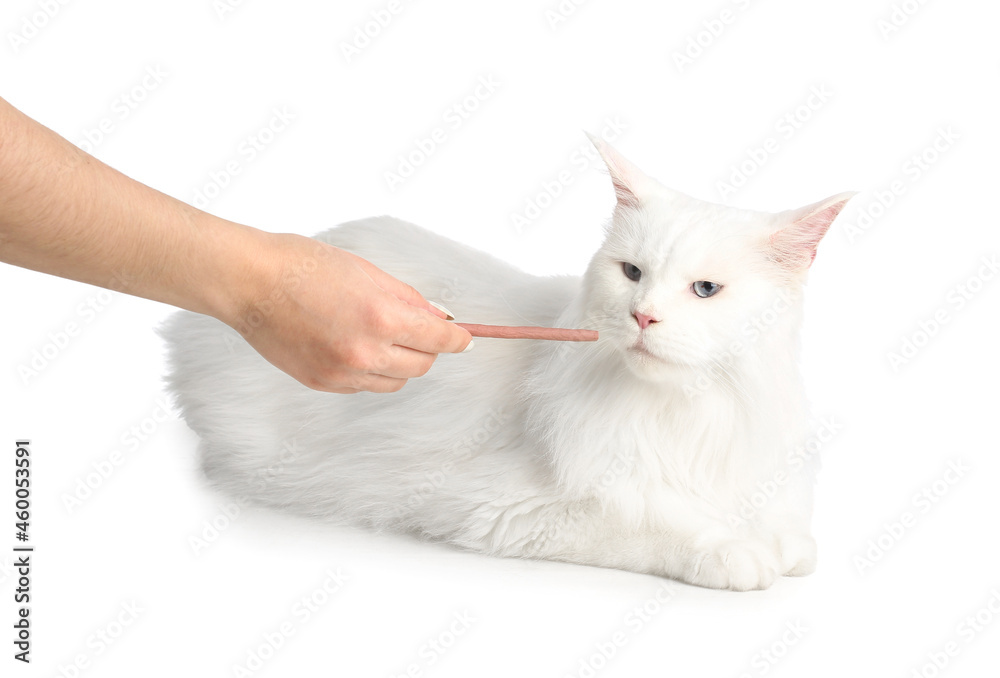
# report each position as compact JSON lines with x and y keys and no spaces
{"x":798,"y":554}
{"x":737,"y":564}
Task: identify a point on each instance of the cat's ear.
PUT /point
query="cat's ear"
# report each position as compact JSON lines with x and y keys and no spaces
{"x":631,"y":184}
{"x":794,"y":245}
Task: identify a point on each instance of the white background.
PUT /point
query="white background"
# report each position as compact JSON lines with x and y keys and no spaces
{"x":889,"y":95}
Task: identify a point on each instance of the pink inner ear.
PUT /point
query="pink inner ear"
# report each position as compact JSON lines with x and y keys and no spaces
{"x":624,"y":194}
{"x":795,"y":246}
{"x":624,"y":175}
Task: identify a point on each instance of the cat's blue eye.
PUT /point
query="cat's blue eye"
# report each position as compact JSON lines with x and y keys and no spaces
{"x":632,"y":271}
{"x":705,"y":288}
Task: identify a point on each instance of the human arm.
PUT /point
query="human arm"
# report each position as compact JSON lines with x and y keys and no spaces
{"x":341,"y":326}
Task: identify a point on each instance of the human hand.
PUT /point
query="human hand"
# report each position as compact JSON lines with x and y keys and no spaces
{"x":328,"y":318}
{"x":336,"y":322}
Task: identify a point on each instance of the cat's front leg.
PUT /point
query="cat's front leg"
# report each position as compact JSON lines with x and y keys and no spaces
{"x":723,"y":562}
{"x":707,"y":552}
{"x":784,"y":521}
{"x":791,"y":537}
{"x":690,"y":546}
{"x":798,"y":554}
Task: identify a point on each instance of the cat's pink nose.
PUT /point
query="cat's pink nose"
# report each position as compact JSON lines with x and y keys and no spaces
{"x":645,"y":320}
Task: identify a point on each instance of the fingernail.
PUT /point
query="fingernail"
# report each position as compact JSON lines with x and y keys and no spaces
{"x":442,"y":309}
{"x":468,"y":348}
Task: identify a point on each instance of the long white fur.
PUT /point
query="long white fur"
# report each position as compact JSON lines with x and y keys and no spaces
{"x":590,"y":453}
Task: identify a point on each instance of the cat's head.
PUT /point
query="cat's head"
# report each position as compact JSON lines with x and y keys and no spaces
{"x":680,"y":283}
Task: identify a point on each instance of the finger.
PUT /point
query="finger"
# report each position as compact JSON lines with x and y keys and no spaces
{"x":399,"y":362}
{"x":429,"y":334}
{"x":379,"y":383}
{"x":344,"y":390}
{"x":326,"y":386}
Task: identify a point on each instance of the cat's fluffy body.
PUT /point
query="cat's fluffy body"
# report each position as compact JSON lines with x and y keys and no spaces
{"x":640,"y":451}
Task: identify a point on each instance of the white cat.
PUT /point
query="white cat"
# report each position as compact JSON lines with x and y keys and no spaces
{"x":638,"y":451}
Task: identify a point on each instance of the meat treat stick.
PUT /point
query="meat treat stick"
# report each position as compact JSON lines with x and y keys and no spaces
{"x":550,"y":333}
